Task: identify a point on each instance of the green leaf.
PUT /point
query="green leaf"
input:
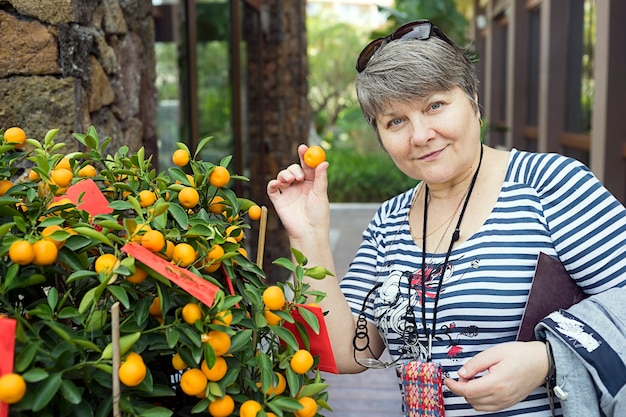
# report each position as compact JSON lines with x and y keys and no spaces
{"x":120,"y":205}
{"x":310,"y":318}
{"x":172,"y":336}
{"x":87,"y":300}
{"x":93,"y":234}
{"x":317,"y":272}
{"x":180,"y":215}
{"x":285,"y":263}
{"x":310,"y":390}
{"x":121,"y":294}
{"x":35,"y":375}
{"x":160,"y":412}
{"x":200,"y":230}
{"x":50,"y":135}
{"x":79,"y":275}
{"x":53,"y":298}
{"x":201,"y":145}
{"x":71,"y":392}
{"x":5,"y":228}
{"x":134,"y":203}
{"x":96,"y":320}
{"x":286,"y":336}
{"x":286,"y":404}
{"x":26,"y":356}
{"x":46,"y":391}
{"x":299,"y":256}
{"x":126,"y":343}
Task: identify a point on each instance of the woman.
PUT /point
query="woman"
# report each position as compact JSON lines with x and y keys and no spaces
{"x":444,"y":269}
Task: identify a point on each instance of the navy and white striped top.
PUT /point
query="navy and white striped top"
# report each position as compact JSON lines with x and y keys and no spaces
{"x":548,"y":203}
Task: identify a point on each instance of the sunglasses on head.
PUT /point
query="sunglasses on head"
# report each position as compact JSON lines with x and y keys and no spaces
{"x":420,"y":29}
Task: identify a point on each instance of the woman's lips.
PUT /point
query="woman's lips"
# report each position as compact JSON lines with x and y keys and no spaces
{"x":431,"y":156}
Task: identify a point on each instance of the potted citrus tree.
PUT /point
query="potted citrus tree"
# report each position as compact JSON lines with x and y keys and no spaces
{"x":131,"y":292}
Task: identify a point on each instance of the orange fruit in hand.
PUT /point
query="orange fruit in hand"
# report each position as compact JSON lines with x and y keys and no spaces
{"x":133,"y":371}
{"x":222,"y":407}
{"x":219,"y":177}
{"x":218,"y":340}
{"x":191,"y":313}
{"x":309,"y":407}
{"x":193,"y":381}
{"x":46,"y":252}
{"x":274,"y":297}
{"x":184,"y":254}
{"x":180,"y":157}
{"x":21,"y":252}
{"x":106,"y":263}
{"x":12,"y":388}
{"x":218,"y":370}
{"x":177,"y":362}
{"x":153,"y":240}
{"x":15,"y":135}
{"x":188,"y":197}
{"x":314,"y":156}
{"x":4,"y":186}
{"x":249,"y":408}
{"x":301,"y":362}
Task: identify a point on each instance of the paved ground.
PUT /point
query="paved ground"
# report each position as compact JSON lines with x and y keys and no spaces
{"x":373,"y":392}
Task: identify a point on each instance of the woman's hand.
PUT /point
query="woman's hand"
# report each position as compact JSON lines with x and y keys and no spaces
{"x":299,"y":195}
{"x":513,"y":371}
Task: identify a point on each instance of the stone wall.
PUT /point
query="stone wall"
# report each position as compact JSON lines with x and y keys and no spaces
{"x":71,"y":64}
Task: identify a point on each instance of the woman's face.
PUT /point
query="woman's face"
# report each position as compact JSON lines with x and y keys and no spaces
{"x":435,"y":139}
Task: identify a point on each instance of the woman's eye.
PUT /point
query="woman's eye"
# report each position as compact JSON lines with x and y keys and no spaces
{"x":436,"y":105}
{"x":395,"y":122}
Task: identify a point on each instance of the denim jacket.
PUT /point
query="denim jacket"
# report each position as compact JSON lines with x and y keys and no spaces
{"x":588,"y":341}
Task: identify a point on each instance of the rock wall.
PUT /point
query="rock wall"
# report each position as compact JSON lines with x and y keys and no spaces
{"x":70,"y":64}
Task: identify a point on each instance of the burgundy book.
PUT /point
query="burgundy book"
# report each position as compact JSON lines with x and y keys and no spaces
{"x":552,"y":289}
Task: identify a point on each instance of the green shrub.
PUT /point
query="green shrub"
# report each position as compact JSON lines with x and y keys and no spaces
{"x":364,"y":177}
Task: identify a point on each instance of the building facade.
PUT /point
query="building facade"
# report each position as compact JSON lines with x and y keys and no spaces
{"x":552,"y":78}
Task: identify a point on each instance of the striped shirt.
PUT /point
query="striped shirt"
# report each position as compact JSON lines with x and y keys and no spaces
{"x":548,"y":203}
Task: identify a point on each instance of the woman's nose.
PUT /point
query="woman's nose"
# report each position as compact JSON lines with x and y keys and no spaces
{"x":421,"y":130}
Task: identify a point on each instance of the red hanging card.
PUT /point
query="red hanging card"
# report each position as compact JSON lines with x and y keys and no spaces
{"x":7,"y":353}
{"x":319,"y":342}
{"x":200,"y":288}
{"x":92,"y":200}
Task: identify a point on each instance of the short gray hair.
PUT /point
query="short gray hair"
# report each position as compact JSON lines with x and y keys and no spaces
{"x":406,"y":70}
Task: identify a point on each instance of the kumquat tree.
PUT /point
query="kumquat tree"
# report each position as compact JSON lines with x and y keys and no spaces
{"x":128,"y":292}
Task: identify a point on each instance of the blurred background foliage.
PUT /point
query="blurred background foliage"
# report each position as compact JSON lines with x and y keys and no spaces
{"x":360,"y":170}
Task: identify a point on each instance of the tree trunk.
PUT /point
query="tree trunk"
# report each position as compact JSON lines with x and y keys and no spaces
{"x":278,"y":110}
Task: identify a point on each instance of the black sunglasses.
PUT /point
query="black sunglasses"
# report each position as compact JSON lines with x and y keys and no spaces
{"x":420,"y":29}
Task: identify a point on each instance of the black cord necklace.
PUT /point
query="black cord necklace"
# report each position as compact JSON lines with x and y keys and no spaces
{"x":455,"y":236}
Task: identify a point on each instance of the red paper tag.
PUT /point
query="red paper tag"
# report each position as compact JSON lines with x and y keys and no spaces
{"x":7,"y":353}
{"x":92,"y":201}
{"x":319,"y":342}
{"x":185,"y":279}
